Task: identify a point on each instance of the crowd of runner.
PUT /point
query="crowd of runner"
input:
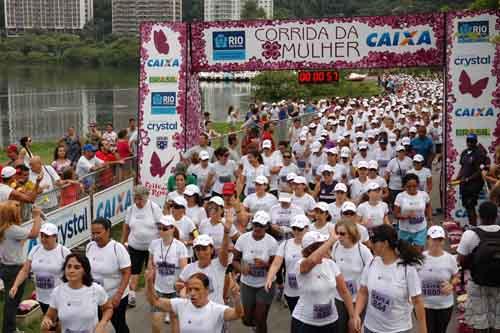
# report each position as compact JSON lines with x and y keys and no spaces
{"x":331,"y":216}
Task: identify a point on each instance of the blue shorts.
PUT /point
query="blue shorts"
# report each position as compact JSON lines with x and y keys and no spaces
{"x":415,"y":238}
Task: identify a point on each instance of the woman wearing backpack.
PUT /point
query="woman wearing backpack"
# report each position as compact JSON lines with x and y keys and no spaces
{"x":439,"y":274}
{"x":478,"y":251}
{"x":351,"y":257}
{"x":388,"y":285}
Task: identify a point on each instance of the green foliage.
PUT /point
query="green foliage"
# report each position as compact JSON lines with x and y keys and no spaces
{"x":485,"y":4}
{"x":252,"y":11}
{"x":275,"y":86}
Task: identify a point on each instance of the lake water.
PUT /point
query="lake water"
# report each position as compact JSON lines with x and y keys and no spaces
{"x":43,"y":101}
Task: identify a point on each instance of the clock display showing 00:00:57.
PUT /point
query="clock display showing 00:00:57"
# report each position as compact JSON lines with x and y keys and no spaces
{"x":318,"y":76}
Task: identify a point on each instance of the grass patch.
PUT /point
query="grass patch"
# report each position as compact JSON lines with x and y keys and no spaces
{"x":44,"y":149}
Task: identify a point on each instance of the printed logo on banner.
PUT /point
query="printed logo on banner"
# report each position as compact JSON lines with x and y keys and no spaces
{"x":399,"y":38}
{"x":466,"y":86}
{"x":162,"y":126}
{"x":163,"y":62}
{"x":475,"y":112}
{"x":160,"y":41}
{"x":156,"y":168}
{"x":477,"y":131}
{"x":471,"y":60}
{"x":473,"y":32}
{"x":162,"y":142}
{"x":114,"y":202}
{"x":229,"y":45}
{"x":163,"y":79}
{"x":163,"y":103}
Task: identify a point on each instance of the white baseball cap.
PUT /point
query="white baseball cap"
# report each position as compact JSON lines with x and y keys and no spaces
{"x":333,"y":151}
{"x":180,"y":201}
{"x":327,"y":168}
{"x":217,"y":200}
{"x":359,"y":135}
{"x":392,"y":137}
{"x":191,"y":189}
{"x":348,"y":206}
{"x":418,"y":158}
{"x":372,"y":186}
{"x":413,"y":129}
{"x":261,"y":217}
{"x":285,"y":197}
{"x":312,"y":125}
{"x":373,"y":164}
{"x":167,"y":220}
{"x":340,"y":187}
{"x":291,"y":177}
{"x":48,"y":229}
{"x":362,"y":164}
{"x":8,"y":172}
{"x":406,"y":141}
{"x":203,"y":240}
{"x":322,"y":206}
{"x":300,"y":221}
{"x":300,"y":180}
{"x":267,"y":144}
{"x":262,"y":180}
{"x":436,"y":231}
{"x":363,"y":145}
{"x":315,"y":146}
{"x":204,"y":155}
{"x":400,"y":148}
{"x":312,"y":237}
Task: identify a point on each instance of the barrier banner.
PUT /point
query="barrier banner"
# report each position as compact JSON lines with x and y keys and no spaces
{"x":473,"y":62}
{"x":162,"y":93}
{"x":357,"y":42}
{"x":73,"y":224}
{"x":112,"y":203}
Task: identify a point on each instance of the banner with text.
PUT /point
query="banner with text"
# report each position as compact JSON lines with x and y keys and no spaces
{"x":162,"y":93}
{"x":473,"y":62}
{"x":359,"y":42}
{"x":113,"y":202}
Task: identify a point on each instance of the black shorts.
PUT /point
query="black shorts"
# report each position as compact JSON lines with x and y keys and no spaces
{"x":138,"y":260}
{"x":469,"y":193}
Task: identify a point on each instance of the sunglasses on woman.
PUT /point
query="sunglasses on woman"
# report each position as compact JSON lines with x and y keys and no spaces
{"x":297,"y":229}
{"x":164,"y":227}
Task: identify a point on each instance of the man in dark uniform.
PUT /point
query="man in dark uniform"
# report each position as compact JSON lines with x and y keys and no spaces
{"x":471,"y":180}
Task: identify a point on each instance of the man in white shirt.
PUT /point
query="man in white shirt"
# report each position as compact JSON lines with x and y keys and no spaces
{"x":50,"y":178}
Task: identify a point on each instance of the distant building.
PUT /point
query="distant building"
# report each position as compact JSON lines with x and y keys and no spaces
{"x":128,"y":14}
{"x":225,"y":10}
{"x":51,"y":15}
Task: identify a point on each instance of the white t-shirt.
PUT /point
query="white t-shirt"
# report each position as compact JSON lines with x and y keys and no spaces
{"x":364,"y":236}
{"x":433,"y":272}
{"x":390,"y":288}
{"x":423,"y":174}
{"x":380,"y":181}
{"x":186,"y":227}
{"x":5,"y":191}
{"x":325,"y":230}
{"x":251,"y":249}
{"x":351,"y":262}
{"x":318,"y":287}
{"x":222,"y":174}
{"x":251,"y":174}
{"x":306,"y":202}
{"x":142,"y":223}
{"x":106,"y":263}
{"x":77,"y":308}
{"x":334,"y":211}
{"x":84,"y":165}
{"x":412,"y":203}
{"x":316,"y":161}
{"x":216,"y":231}
{"x":216,"y":274}
{"x":282,"y":216}
{"x":271,"y":162}
{"x":196,"y":214}
{"x":397,"y":169}
{"x":50,"y":177}
{"x":470,"y":240}
{"x":383,"y":157}
{"x":201,"y":177}
{"x":166,"y":259}
{"x":207,"y":319}
{"x":253,"y":203}
{"x":374,"y":215}
{"x":357,"y":188}
{"x":284,"y":171}
{"x":291,"y":252}
{"x":46,"y":266}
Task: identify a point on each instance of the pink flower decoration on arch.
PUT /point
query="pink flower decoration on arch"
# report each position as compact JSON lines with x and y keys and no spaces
{"x":271,"y":50}
{"x":145,"y":139}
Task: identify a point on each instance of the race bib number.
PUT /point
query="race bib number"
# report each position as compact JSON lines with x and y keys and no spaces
{"x":351,"y":286}
{"x":251,"y":190}
{"x":416,"y":220}
{"x":431,"y":288}
{"x":283,"y":179}
{"x":322,"y":311}
{"x":257,"y":271}
{"x":284,"y":221}
{"x":45,"y":281}
{"x":165,"y":268}
{"x":292,"y":281}
{"x":224,"y":179}
{"x":301,"y":164}
{"x":381,"y":302}
{"x":383,"y":163}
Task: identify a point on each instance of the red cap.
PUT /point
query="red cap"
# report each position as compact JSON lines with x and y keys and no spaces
{"x":11,"y":148}
{"x":228,"y":189}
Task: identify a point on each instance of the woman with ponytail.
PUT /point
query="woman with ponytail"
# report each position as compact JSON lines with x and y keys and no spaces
{"x":390,"y":287}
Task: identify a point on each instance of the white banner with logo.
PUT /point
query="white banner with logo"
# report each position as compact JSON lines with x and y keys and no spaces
{"x":357,"y":42}
{"x":162,"y":86}
{"x":472,"y":86}
{"x":73,"y":224}
{"x":113,"y":202}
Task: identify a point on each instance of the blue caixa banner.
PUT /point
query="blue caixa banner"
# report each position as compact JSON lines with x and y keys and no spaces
{"x":229,"y":45}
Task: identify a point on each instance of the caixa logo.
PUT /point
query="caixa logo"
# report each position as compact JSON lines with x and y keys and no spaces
{"x":162,"y":126}
{"x":475,"y":112}
{"x":163,"y":62}
{"x":460,"y":213}
{"x":399,"y":38}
